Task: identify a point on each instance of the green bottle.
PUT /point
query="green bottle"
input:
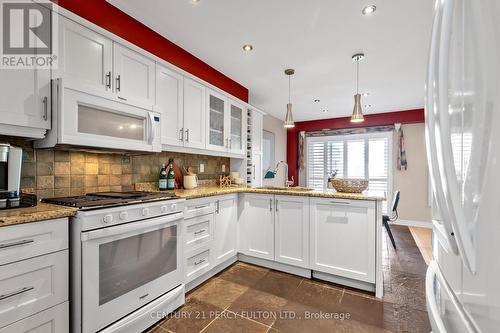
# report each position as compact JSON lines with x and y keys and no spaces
{"x":162,"y":185}
{"x":171,"y":177}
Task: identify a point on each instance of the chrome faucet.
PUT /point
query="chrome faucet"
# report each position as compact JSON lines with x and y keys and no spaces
{"x":288,"y":183}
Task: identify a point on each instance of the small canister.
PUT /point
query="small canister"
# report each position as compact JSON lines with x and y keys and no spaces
{"x":14,"y":202}
{"x":3,"y":203}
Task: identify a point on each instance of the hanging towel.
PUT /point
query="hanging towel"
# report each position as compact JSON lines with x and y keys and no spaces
{"x":402,"y":162}
{"x":302,"y":139}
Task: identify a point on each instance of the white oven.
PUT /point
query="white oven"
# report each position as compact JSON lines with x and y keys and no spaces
{"x":97,"y":120}
{"x":126,"y":266}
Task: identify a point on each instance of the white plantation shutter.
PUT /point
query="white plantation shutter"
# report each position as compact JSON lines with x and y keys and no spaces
{"x":335,"y":157}
{"x":353,"y":156}
{"x":316,"y":164}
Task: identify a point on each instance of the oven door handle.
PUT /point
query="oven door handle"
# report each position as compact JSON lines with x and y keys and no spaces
{"x":128,"y":228}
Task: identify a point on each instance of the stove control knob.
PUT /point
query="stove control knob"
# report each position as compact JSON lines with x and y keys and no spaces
{"x":164,"y":209}
{"x":145,"y":211}
{"x":173,"y":206}
{"x":123,"y":215}
{"x":108,"y":218}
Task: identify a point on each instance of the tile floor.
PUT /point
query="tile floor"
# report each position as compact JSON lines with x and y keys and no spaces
{"x":247,"y":298}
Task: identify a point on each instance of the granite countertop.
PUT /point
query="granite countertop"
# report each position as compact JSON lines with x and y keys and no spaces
{"x":207,"y":191}
{"x":40,"y":212}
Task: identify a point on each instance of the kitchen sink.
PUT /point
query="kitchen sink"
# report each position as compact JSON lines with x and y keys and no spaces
{"x":282,"y":188}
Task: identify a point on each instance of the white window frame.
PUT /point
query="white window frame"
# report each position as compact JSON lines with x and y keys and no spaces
{"x":366,"y":136}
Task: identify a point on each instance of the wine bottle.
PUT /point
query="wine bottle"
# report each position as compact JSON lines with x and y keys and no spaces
{"x":171,"y":177}
{"x":162,"y":185}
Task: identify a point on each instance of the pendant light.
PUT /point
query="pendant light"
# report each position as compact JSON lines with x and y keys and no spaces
{"x":289,"y":118}
{"x":357,"y":112}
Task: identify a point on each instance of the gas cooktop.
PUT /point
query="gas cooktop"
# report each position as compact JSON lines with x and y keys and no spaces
{"x":109,"y":199}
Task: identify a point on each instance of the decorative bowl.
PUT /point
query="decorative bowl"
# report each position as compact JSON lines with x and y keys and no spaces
{"x":349,"y":185}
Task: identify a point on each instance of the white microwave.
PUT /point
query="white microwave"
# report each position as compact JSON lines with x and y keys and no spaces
{"x":91,"y":120}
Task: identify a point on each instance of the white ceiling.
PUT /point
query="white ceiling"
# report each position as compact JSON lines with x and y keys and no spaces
{"x":315,"y":37}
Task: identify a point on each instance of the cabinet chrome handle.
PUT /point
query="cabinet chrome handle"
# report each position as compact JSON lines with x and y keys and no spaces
{"x":108,"y":80}
{"x":229,"y":143}
{"x":253,"y":171}
{"x":15,"y":293}
{"x":217,"y":209}
{"x":276,"y":205}
{"x":270,"y":205}
{"x":181,"y":134}
{"x":122,"y":98}
{"x":18,"y":243}
{"x":187,"y":135}
{"x":199,"y":207}
{"x":200,"y":231}
{"x":45,"y":104}
{"x":340,"y":202}
{"x":118,"y":84}
{"x":196,"y":263}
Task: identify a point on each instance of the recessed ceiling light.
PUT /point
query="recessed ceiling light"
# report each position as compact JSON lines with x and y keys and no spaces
{"x":366,"y":94}
{"x":369,"y":10}
{"x":195,"y":1}
{"x":325,"y":110}
{"x":248,"y":47}
{"x":368,"y":106}
{"x":316,"y":101}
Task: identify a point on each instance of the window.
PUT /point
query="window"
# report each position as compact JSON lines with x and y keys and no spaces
{"x":352,"y":156}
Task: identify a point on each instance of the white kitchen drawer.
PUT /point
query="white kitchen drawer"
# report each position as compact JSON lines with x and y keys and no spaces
{"x":28,"y":240}
{"x":197,"y":263}
{"x":32,"y":285}
{"x":53,"y":320}
{"x":198,"y":207}
{"x":198,"y":231}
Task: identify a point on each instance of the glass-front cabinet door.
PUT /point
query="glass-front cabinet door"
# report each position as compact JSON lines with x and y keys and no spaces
{"x":237,"y":128}
{"x":217,"y":138}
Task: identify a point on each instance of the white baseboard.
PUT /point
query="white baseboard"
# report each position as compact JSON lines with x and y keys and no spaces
{"x":413,"y":223}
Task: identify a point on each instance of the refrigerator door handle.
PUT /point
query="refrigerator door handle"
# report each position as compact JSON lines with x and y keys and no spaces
{"x":431,"y":110}
{"x":445,"y":158}
{"x":438,"y":326}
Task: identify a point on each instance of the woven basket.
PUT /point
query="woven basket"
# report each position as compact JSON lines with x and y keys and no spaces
{"x":349,"y":185}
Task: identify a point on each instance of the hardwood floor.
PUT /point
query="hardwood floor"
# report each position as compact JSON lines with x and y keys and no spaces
{"x":248,"y":298}
{"x":423,"y":239}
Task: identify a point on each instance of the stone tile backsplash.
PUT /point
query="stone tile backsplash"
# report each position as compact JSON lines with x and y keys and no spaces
{"x":56,"y":173}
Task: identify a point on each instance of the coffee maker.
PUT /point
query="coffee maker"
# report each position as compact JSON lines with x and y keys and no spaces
{"x":10,"y":175}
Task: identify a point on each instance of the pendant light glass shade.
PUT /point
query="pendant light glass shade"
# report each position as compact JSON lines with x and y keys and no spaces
{"x":289,"y":123}
{"x":357,"y":112}
{"x":289,"y":118}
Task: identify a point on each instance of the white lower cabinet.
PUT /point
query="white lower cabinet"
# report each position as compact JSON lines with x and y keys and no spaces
{"x":291,"y":230}
{"x":53,"y":320}
{"x":198,"y":262}
{"x":226,"y":215}
{"x":343,"y":238}
{"x":257,"y":226}
{"x":34,"y":277}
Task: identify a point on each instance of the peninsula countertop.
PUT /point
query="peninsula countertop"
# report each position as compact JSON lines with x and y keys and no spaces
{"x":208,"y":191}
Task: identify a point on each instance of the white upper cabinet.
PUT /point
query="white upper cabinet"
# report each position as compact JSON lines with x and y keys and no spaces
{"x":169,"y":102}
{"x":237,"y":128}
{"x":343,"y":238}
{"x":291,"y":230}
{"x":226,"y":216}
{"x":217,"y":137}
{"x":257,"y":226}
{"x":85,"y":58}
{"x":134,"y":77}
{"x":194,"y":114}
{"x":25,"y":101}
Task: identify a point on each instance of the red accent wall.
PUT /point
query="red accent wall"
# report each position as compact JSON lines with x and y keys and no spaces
{"x":114,"y":20}
{"x":379,"y":119}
